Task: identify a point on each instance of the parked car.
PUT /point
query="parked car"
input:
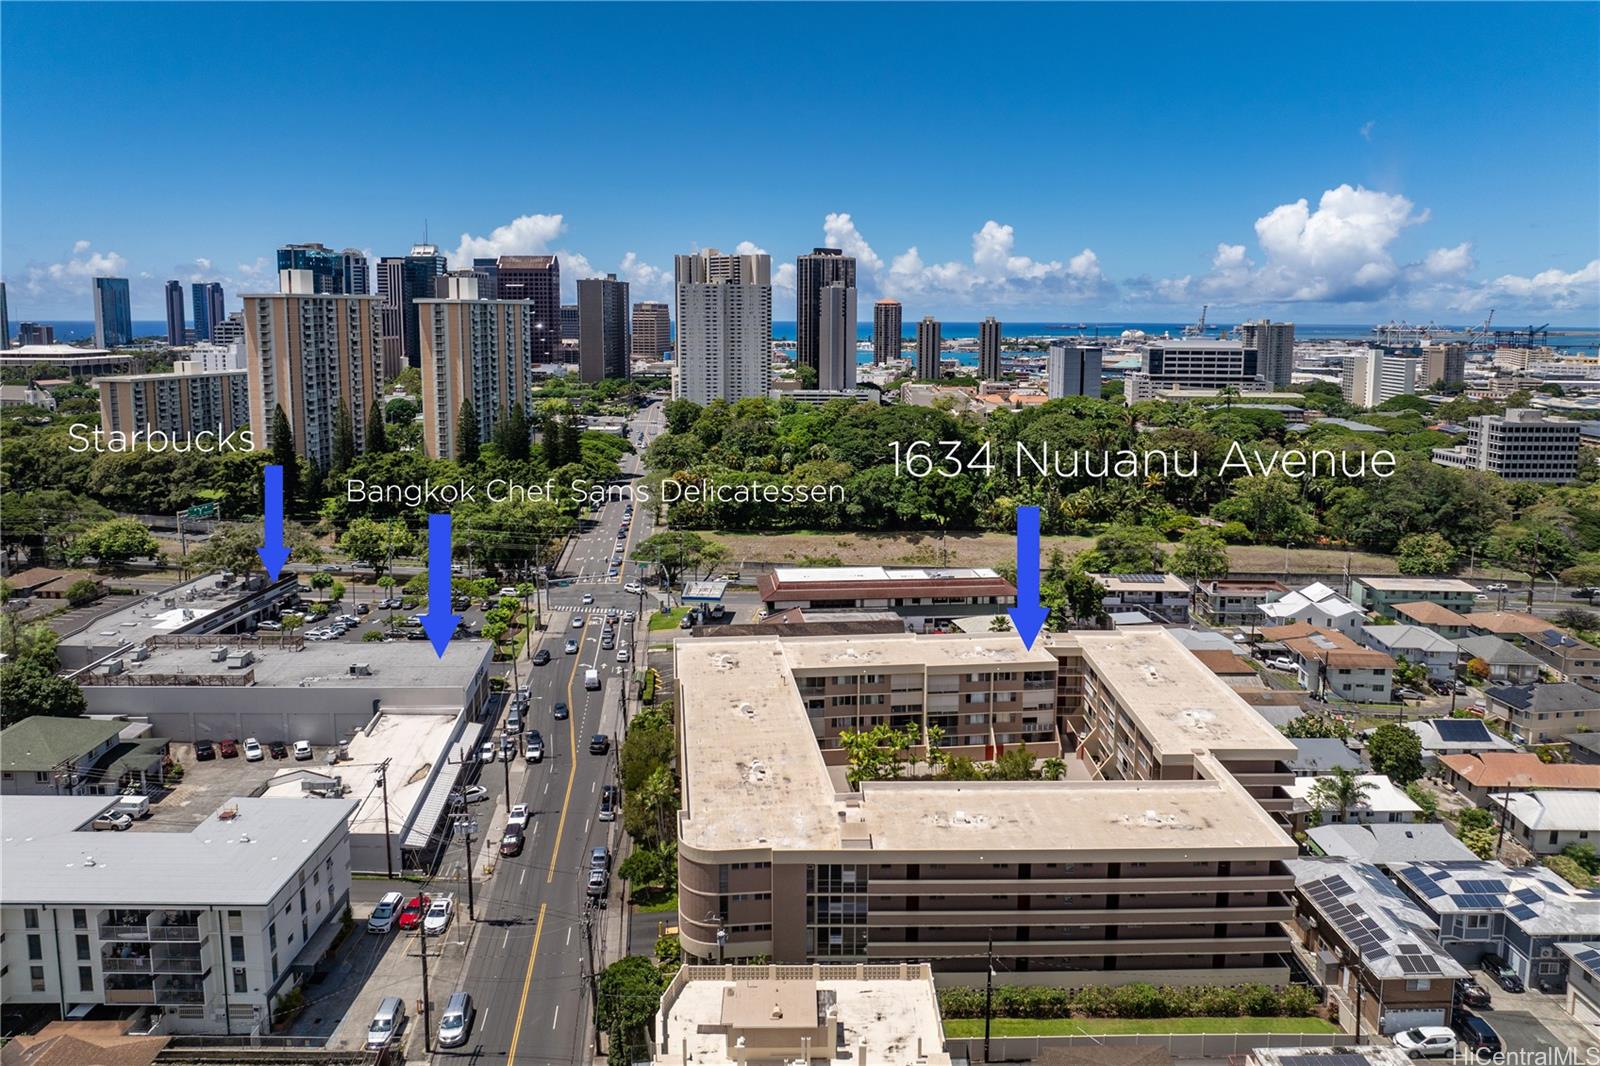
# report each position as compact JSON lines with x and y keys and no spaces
{"x":134,"y":806}
{"x":519,"y":815}
{"x":269,"y":626}
{"x":599,"y":744}
{"x":116,"y":821}
{"x":387,"y":1023}
{"x":252,"y":750}
{"x":486,"y":751}
{"x":534,"y":746}
{"x":600,"y":858}
{"x":1410,"y":694}
{"x":559,"y":711}
{"x":437,"y":918}
{"x":456,"y":1022}
{"x":203,"y":750}
{"x":511,"y":842}
{"x":279,"y":749}
{"x":1428,"y":1042}
{"x":1281,"y":663}
{"x":411,"y":913}
{"x":609,"y":801}
{"x":1472,"y":993}
{"x":228,"y":748}
{"x":474,"y":794}
{"x":302,"y":749}
{"x":1478,"y":1035}
{"x":598,"y":885}
{"x":514,"y":720}
{"x":384,"y":914}
{"x":541,"y":657}
{"x":508,"y":748}
{"x":1503,"y":974}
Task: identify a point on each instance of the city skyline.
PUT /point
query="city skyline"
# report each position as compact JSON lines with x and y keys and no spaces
{"x":1378,"y":193}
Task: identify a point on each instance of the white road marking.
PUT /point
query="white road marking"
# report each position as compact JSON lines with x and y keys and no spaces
{"x":522,"y":875}
{"x":504,"y":939}
{"x":569,"y":936}
{"x":554,"y":1016}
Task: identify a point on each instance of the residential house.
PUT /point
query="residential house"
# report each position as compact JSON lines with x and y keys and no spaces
{"x":1476,"y":776}
{"x":1235,"y":602}
{"x":1569,"y":658}
{"x":1456,"y":736}
{"x":1318,"y":755}
{"x":1415,"y":644}
{"x":1583,"y":980}
{"x":1543,"y":714}
{"x":46,"y":756}
{"x":1331,"y":665}
{"x":1547,"y":822}
{"x":1384,"y":802}
{"x":1506,"y":661}
{"x":1520,"y":913}
{"x":42,"y":583}
{"x":1381,"y":844}
{"x":1361,"y":935}
{"x":1163,"y":596}
{"x":1316,"y":605}
{"x":1508,"y":625}
{"x":1584,"y":748}
{"x":1379,"y":595}
{"x":1442,"y":620}
{"x":1231,"y":667}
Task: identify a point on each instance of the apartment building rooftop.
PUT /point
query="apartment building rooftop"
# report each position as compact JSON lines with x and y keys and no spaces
{"x":1418,"y":584}
{"x":754,"y":777}
{"x":241,"y":854}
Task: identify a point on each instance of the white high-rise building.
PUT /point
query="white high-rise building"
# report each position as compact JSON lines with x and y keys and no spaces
{"x":1369,"y":376}
{"x":1520,"y":445}
{"x":1072,"y":370}
{"x":1274,"y":345}
{"x":724,"y":349}
{"x":836,"y":337}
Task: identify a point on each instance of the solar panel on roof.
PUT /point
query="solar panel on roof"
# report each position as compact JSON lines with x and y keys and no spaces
{"x":1528,"y":895}
{"x":1461,"y":731}
{"x":1522,"y":911}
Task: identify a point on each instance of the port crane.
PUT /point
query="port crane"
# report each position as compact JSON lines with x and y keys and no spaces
{"x":1198,"y":329}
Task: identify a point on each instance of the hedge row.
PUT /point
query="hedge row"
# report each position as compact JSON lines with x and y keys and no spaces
{"x":1133,"y":1001}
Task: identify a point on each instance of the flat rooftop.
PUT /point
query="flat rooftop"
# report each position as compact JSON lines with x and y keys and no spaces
{"x":1418,"y":584}
{"x":414,"y":743}
{"x":826,"y":574}
{"x":53,"y":858}
{"x":167,"y":611}
{"x":1181,"y":705}
{"x":322,"y":664}
{"x":755,"y":780}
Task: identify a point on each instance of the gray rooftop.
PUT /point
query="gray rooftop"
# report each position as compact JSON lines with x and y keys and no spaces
{"x":151,"y":616}
{"x":1404,"y":638}
{"x":42,"y":742}
{"x":1458,"y":735}
{"x":324,"y":664}
{"x":1554,"y":810}
{"x":54,"y":860}
{"x":1317,"y":755}
{"x":1495,"y":652}
{"x":1538,"y":900}
{"x":1395,"y":937}
{"x":1560,"y":696}
{"x":1383,"y":843}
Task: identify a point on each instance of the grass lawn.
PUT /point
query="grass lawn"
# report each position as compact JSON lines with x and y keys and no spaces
{"x":667,"y":619}
{"x":971,"y":1027}
{"x":653,"y":902}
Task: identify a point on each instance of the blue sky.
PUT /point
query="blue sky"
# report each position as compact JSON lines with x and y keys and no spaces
{"x":1326,"y":163}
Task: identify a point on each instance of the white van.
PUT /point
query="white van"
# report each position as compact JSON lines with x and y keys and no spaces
{"x":387,"y":1023}
{"x":384,"y":914}
{"x":591,"y":678}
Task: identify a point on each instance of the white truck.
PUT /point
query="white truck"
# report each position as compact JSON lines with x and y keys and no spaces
{"x":134,"y":806}
{"x":591,"y":678}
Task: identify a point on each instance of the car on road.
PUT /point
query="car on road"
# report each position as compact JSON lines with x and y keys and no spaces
{"x":514,"y":720}
{"x":508,"y":748}
{"x":511,"y":842}
{"x":571,"y":647}
{"x":600,"y":858}
{"x":610,"y":800}
{"x":279,"y":749}
{"x":599,"y":744}
{"x":1471,"y":993}
{"x":252,"y":750}
{"x":474,"y":794}
{"x":456,"y":1022}
{"x":486,"y":751}
{"x":577,"y":621}
{"x":1503,"y":974}
{"x":633,"y":588}
{"x":1427,"y":1042}
{"x":1498,"y":586}
{"x":228,"y":748}
{"x":598,"y":885}
{"x":112,"y":820}
{"x":608,"y":642}
{"x":203,"y":750}
{"x":629,"y":616}
{"x":559,"y":711}
{"x":588,"y":598}
{"x":362,"y":608}
{"x":506,"y":590}
{"x":534,"y":746}
{"x":1482,"y":597}
{"x":302,"y":750}
{"x":613,"y":572}
{"x":541,"y":657}
{"x":384,"y":914}
{"x":411,"y":913}
{"x":520,"y":813}
{"x":1281,"y":663}
{"x":1479,"y":1036}
{"x":623,"y":655}
{"x":437,"y":918}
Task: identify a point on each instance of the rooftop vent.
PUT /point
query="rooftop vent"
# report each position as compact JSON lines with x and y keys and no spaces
{"x":114,"y":667}
{"x":88,"y":860}
{"x":219,"y":654}
{"x":360,"y":670}
{"x":240,"y":659}
{"x":141,"y":653}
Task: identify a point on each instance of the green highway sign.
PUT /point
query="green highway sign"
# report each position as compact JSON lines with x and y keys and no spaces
{"x":201,"y":510}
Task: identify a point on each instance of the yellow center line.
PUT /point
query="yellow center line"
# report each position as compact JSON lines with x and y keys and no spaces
{"x":527,"y":982}
{"x":572,"y":758}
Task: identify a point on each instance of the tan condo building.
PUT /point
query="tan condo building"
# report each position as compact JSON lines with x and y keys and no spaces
{"x":472,"y":349}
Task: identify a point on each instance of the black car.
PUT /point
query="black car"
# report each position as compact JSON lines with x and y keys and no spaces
{"x":1471,"y":993}
{"x":560,"y":710}
{"x":1477,"y":1034}
{"x":511,"y":843}
{"x":1503,"y":975}
{"x":599,"y":744}
{"x":541,"y":657}
{"x":203,"y":750}
{"x":279,"y":749}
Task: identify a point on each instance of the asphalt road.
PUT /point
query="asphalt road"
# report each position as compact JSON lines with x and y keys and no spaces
{"x":529,"y":958}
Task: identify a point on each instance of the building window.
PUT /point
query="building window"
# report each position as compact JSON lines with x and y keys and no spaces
{"x":80,"y":918}
{"x":83,"y":948}
{"x":236,"y":948}
{"x":1419,"y":985}
{"x":35,"y":946}
{"x":85,"y":978}
{"x":30,"y":918}
{"x":241,"y":983}
{"x":36,"y":978}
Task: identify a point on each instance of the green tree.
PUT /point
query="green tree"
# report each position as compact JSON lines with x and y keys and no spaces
{"x":675,"y":551}
{"x":1577,"y":618}
{"x":1481,"y":842}
{"x":1395,"y":752}
{"x":1533,"y":548}
{"x":1013,"y":764}
{"x":30,"y":688}
{"x":1424,"y":798}
{"x":1584,"y":855}
{"x":322,"y":581}
{"x":28,"y":642}
{"x":376,"y":543}
{"x":467,"y":433}
{"x":377,"y":435}
{"x":116,"y":541}
{"x":1314,"y":726}
{"x":645,"y":868}
{"x":878,"y":754}
{"x":1425,"y":553}
{"x":1000,"y":624}
{"x":82,"y":591}
{"x":630,"y":993}
{"x":400,"y":411}
{"x":344,"y":440}
{"x":1130,"y":550}
{"x":283,"y":451}
{"x":1272,"y":508}
{"x":681,"y":415}
{"x":1475,"y":818}
{"x":1202,"y":554}
{"x":1340,"y":790}
{"x":513,"y":433}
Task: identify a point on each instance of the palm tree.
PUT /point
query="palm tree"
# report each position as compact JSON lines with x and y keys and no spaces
{"x":659,"y":796}
{"x":1340,"y":791}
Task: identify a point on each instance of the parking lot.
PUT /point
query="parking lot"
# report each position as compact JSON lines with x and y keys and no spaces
{"x":375,"y":619}
{"x":208,"y":784}
{"x":1533,"y":1021}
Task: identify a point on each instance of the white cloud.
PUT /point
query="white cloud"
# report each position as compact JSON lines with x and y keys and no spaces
{"x":1553,"y":289}
{"x":255,"y":269}
{"x":79,"y":247}
{"x":645,"y":282}
{"x":203,"y":263}
{"x":1366,"y":129}
{"x":1449,"y":262}
{"x":67,"y":281}
{"x":523,"y":235}
{"x":749,"y":248}
{"x":839,"y":230}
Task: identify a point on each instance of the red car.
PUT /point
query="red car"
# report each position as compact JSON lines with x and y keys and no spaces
{"x":229,"y":748}
{"x":411,"y":914}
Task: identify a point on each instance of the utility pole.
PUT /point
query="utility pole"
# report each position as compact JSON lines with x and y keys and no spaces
{"x":1355,"y":972}
{"x":507,"y":763}
{"x":988,"y":997}
{"x":465,"y":825}
{"x":388,"y":855}
{"x":427,"y":1009}
{"x":594,"y":976}
{"x":1505,"y":816}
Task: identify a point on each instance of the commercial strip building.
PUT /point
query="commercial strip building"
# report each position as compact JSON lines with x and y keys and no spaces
{"x":926,"y":598}
{"x":471,"y":349}
{"x":78,"y":362}
{"x":310,"y":354}
{"x":1543,"y":714}
{"x":1380,"y":595}
{"x":1521,"y":445}
{"x":1365,"y":937}
{"x":1167,"y":868}
{"x":180,"y":404}
{"x":205,"y":930}
{"x":724,"y":315}
{"x":766,"y":1015}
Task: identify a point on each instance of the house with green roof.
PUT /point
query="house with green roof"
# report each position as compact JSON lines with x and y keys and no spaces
{"x":45,"y":756}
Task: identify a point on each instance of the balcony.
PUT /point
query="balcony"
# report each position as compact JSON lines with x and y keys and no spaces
{"x":1125,"y":918}
{"x":925,"y":949}
{"x":1088,"y":886}
{"x":131,"y":995}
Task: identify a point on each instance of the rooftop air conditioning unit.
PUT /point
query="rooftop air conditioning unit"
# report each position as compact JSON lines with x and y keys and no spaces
{"x":219,"y":654}
{"x":141,"y":653}
{"x":114,"y":667}
{"x":360,"y":670}
{"x":240,"y":659}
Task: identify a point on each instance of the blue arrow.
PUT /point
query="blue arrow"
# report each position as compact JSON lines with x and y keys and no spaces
{"x":1028,"y":616}
{"x":439,"y":623}
{"x":274,"y":553}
